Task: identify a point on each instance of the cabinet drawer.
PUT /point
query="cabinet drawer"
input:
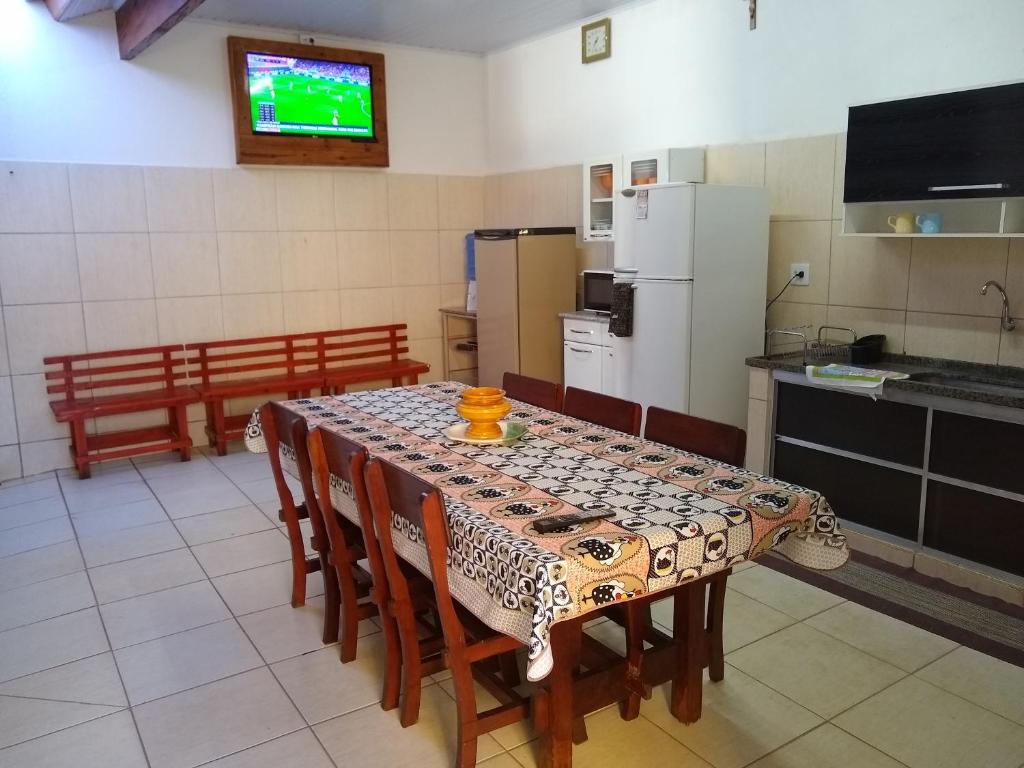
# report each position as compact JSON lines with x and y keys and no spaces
{"x":460,"y":358}
{"x":585,"y":331}
{"x":582,"y":364}
{"x":978,"y":450}
{"x":880,"y":429}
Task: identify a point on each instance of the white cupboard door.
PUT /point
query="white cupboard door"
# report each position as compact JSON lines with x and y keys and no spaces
{"x":601,"y":182}
{"x":582,"y":366}
{"x":608,"y":372}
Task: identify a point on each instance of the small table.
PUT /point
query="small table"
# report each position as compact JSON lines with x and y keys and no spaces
{"x":451,"y":336}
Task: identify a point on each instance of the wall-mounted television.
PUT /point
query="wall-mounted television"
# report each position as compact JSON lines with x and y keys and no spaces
{"x":307,"y":105}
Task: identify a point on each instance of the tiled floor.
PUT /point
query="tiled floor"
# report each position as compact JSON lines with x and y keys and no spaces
{"x":144,"y":621}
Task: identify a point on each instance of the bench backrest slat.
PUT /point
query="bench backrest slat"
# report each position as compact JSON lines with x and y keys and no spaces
{"x":87,"y":373}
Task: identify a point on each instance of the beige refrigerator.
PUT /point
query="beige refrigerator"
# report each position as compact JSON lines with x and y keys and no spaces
{"x":524,"y":279}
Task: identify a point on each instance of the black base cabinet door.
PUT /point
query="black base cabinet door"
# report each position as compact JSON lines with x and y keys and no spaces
{"x":877,"y":497}
{"x":976,"y":526}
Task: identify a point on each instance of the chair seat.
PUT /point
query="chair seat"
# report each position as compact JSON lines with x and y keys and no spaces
{"x":106,"y":405}
{"x":260,"y":385}
{"x":373,"y":371}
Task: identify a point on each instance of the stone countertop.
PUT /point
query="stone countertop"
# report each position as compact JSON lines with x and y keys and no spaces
{"x":582,"y":314}
{"x":1003,"y":379}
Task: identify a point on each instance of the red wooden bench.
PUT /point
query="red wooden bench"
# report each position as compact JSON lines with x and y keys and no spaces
{"x":101,"y":384}
{"x":375,"y":353}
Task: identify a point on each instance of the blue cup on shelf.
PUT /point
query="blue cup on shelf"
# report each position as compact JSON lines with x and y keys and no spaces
{"x":930,"y":223}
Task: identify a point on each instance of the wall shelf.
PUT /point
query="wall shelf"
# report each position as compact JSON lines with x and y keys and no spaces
{"x":974,"y":217}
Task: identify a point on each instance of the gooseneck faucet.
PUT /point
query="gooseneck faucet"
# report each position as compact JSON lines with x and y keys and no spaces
{"x":1007,"y":323}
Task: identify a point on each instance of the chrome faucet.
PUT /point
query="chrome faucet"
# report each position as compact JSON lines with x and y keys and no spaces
{"x":1007,"y":323}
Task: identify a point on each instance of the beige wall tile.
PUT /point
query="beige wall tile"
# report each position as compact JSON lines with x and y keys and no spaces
{"x":249,"y":262}
{"x":574,"y":182}
{"x":8,"y":424}
{"x":412,"y":201}
{"x":35,"y":197}
{"x":890,"y":322}
{"x":868,"y":271}
{"x":362,"y":307}
{"x":594,"y":256}
{"x":516,"y":205}
{"x":805,"y":242}
{"x":305,"y":200}
{"x":1011,"y":345}
{"x":364,"y":259}
{"x":10,"y":462}
{"x":453,"y":295}
{"x":840,"y":177}
{"x":757,"y":425}
{"x":38,"y":269}
{"x":254,"y":314}
{"x":108,"y":198}
{"x":185,"y":264}
{"x":946,"y":275}
{"x":805,"y":318}
{"x":453,"y":256}
{"x":35,"y":419}
{"x":245,"y":200}
{"x":460,"y":202}
{"x":120,"y":324}
{"x":414,"y":258}
{"x":1015,"y":277}
{"x":309,"y":261}
{"x":492,"y":201}
{"x":37,"y":330}
{"x":188,"y":319}
{"x":115,"y":266}
{"x":958,"y":337}
{"x":430,"y":352}
{"x":799,"y":176}
{"x":360,"y":200}
{"x":5,"y":366}
{"x":549,"y":198}
{"x":736,"y":164}
{"x":417,"y":307}
{"x":180,"y":200}
{"x":45,"y":456}
{"x":311,"y":311}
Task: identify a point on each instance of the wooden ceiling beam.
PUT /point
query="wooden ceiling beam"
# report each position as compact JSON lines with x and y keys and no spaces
{"x":140,"y":23}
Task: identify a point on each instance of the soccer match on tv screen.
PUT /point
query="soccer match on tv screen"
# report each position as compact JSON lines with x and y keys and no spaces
{"x":309,"y":97}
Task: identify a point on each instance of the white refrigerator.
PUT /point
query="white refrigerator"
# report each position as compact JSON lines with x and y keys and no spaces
{"x":697,"y":258}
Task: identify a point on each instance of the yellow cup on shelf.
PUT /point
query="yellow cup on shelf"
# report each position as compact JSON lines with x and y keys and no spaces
{"x":483,"y":408}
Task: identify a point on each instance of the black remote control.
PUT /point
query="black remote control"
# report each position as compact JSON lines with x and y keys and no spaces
{"x":548,"y":524}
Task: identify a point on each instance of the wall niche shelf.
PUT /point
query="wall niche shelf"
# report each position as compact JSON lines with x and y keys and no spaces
{"x":974,"y":217}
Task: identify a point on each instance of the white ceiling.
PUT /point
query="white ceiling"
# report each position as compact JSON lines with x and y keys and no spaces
{"x":473,"y":26}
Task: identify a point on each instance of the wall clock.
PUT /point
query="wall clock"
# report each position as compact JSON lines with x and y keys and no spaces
{"x":597,"y":40}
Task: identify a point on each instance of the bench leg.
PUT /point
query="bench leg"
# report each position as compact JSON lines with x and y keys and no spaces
{"x":179,"y":414}
{"x":80,"y":448}
{"x":220,"y":442}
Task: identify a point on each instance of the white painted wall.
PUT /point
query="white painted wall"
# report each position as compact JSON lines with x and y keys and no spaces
{"x":66,"y":96}
{"x":686,"y":72}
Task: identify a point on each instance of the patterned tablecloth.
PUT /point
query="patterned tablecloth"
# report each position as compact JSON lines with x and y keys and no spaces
{"x":678,"y":516}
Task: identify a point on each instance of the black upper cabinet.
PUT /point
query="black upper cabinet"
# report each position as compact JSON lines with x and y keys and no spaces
{"x":937,"y":147}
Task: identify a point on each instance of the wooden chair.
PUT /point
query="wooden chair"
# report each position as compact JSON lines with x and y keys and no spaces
{"x":393,"y":490}
{"x":287,"y":428}
{"x":608,"y":411}
{"x":543,"y":394}
{"x":722,"y":442}
{"x":336,"y":457}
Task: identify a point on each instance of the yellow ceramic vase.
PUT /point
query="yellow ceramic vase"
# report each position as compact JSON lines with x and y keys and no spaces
{"x":483,"y":408}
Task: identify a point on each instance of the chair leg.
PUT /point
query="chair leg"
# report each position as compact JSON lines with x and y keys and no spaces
{"x":392,"y":661}
{"x":412,"y":670}
{"x":509,"y":669}
{"x":349,"y":609}
{"x":333,"y":605}
{"x":291,"y":524}
{"x":716,"y":617}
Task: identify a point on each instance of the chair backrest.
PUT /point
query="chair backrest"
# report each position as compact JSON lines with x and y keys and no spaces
{"x":394,"y":490}
{"x":543,"y":394}
{"x":337,"y":456}
{"x":722,"y":442}
{"x":608,"y":411}
{"x":282,"y":426}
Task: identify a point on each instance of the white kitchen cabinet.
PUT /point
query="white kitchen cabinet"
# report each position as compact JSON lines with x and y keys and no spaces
{"x":608,"y":372}
{"x":662,"y":166}
{"x":588,"y":362}
{"x":601,"y":182}
{"x":583,"y":365}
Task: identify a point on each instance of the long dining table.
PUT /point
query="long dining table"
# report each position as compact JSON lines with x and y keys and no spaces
{"x":679,"y":518}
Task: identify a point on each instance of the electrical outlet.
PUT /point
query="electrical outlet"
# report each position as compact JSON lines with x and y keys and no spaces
{"x":797,"y":268}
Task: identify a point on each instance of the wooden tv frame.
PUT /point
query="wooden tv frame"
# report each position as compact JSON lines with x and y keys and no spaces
{"x":270,"y":149}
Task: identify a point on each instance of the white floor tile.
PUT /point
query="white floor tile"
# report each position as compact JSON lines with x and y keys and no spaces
{"x":132,"y":542}
{"x":215,"y":720}
{"x":984,"y":680}
{"x":282,"y":632}
{"x":782,"y":592}
{"x":26,"y":719}
{"x":225,"y":524}
{"x":826,"y":747}
{"x":296,"y":750}
{"x":46,"y":644}
{"x":44,"y":600}
{"x":924,"y":727}
{"x":148,"y":617}
{"x":109,"y":742}
{"x":40,"y":564}
{"x":265,"y":587}
{"x":85,"y":495}
{"x":31,"y":489}
{"x":94,"y":680}
{"x":205,"y":498}
{"x":242,"y":552}
{"x":185,"y":660}
{"x":142,"y":575}
{"x":815,"y":670}
{"x":34,"y":511}
{"x":118,"y":518}
{"x":35,"y":536}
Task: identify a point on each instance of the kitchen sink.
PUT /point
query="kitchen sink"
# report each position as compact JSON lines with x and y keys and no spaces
{"x":991,"y":386}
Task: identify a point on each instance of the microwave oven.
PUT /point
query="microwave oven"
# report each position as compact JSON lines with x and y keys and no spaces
{"x":597,"y":290}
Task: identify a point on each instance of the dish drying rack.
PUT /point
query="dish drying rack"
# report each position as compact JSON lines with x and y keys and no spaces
{"x":822,"y":349}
